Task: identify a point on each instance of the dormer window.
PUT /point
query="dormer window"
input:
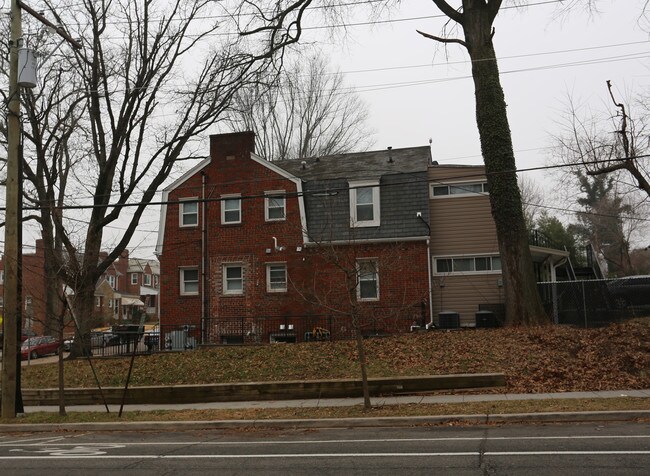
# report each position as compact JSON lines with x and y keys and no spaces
{"x":364,"y":204}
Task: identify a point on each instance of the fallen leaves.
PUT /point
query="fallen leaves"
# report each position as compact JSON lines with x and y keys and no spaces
{"x":534,"y":360}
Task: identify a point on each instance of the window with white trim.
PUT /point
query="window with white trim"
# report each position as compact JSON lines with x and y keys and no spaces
{"x":155,"y":280}
{"x":364,"y":204}
{"x":134,"y":278}
{"x":467,"y":264}
{"x":188,"y":213}
{"x":147,"y":280}
{"x":275,"y":206}
{"x":233,"y":279}
{"x":231,"y":209}
{"x":2,"y":277}
{"x":98,"y":301}
{"x":368,"y":274}
{"x":110,"y":304}
{"x":189,"y":281}
{"x":112,"y":280}
{"x":276,"y":277}
{"x":459,"y":189}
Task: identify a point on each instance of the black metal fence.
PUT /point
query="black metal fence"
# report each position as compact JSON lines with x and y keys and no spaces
{"x":310,"y":328}
{"x":589,"y":303}
{"x":594,"y":303}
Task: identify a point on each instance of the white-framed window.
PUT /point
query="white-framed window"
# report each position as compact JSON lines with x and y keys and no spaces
{"x":116,"y":308}
{"x":134,"y":278}
{"x":233,"y":278}
{"x":110,"y":304}
{"x":467,"y":264}
{"x":230,"y":209}
{"x":276,"y":277}
{"x":2,"y":277}
{"x":459,"y":189}
{"x":275,"y":206}
{"x":112,"y":280}
{"x":189,"y":281}
{"x":368,"y":273}
{"x":155,"y":280}
{"x":147,"y":280}
{"x":364,"y":204}
{"x":188,"y":212}
{"x":98,"y":301}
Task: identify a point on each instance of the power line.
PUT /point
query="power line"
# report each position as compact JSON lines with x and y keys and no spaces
{"x":336,"y":189}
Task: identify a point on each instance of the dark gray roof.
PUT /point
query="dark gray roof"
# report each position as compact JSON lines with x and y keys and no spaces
{"x":360,"y":165}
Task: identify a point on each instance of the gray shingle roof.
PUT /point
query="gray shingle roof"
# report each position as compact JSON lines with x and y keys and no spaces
{"x":360,"y":165}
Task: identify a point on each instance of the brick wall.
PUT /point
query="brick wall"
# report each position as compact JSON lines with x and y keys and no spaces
{"x":313,"y":272}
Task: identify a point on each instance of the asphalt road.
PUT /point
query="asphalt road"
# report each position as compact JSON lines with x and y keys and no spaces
{"x":577,"y":449}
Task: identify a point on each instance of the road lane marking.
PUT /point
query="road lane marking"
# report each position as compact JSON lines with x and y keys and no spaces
{"x":79,"y":450}
{"x":335,"y":455}
{"x":39,"y":441}
{"x":369,"y":440}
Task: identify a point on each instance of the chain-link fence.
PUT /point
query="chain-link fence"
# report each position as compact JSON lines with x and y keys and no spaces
{"x":596,"y":303}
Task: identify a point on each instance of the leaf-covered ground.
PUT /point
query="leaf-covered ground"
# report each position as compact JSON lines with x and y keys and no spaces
{"x":546,"y":359}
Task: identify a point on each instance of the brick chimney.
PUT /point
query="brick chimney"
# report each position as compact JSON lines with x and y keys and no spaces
{"x":232,"y":147}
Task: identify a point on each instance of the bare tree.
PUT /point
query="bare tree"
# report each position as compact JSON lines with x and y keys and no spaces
{"x":532,"y":196}
{"x":620,"y":152}
{"x":309,"y":112}
{"x":348,"y":277}
{"x":115,"y":117}
{"x":606,"y":157}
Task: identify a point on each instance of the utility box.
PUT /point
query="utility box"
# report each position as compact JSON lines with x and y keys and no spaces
{"x":486,"y":319}
{"x":27,"y":68}
{"x":448,"y":320}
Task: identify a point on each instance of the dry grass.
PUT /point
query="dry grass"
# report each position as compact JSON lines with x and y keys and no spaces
{"x":535,"y":360}
{"x":472,"y":408}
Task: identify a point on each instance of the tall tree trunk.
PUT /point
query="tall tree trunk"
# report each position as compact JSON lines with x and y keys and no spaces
{"x":523,"y":304}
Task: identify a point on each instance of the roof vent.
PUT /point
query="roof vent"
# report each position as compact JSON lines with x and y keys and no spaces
{"x":303,"y":164}
{"x":390,"y":157}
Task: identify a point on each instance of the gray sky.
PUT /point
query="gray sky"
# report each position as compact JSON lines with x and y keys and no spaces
{"x":538,"y":72}
{"x":542,"y":61}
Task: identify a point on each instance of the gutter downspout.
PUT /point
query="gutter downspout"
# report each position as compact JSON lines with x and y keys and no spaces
{"x":430,"y":324}
{"x":204,"y":295}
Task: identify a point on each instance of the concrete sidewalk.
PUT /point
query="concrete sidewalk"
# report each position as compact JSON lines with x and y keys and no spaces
{"x":342,"y":402}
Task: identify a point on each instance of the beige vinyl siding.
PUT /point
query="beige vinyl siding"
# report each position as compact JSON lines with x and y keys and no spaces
{"x":460,"y":224}
{"x":464,"y":173}
{"x":464,"y":293}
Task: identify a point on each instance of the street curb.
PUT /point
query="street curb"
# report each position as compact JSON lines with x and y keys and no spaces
{"x":550,"y":417}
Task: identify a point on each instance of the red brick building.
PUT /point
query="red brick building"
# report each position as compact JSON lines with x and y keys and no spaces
{"x":244,"y":241}
{"x":117,"y":297}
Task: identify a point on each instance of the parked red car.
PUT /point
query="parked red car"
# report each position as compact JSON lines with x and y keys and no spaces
{"x":35,"y":347}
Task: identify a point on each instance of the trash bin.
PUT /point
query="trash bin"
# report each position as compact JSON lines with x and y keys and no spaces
{"x":448,"y":320}
{"x":486,"y":319}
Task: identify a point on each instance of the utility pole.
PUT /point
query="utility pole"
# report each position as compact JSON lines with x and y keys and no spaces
{"x":13,"y":218}
{"x":11,"y":298}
